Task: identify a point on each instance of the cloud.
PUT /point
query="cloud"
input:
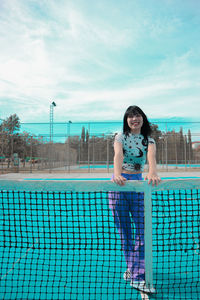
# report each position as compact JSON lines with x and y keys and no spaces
{"x":95,"y":59}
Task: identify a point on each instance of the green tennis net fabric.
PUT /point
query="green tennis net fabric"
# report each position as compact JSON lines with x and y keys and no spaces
{"x":65,"y":244}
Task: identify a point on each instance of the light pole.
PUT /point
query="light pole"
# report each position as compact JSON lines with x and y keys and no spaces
{"x":52,"y":105}
{"x":68,"y":145}
{"x":2,"y":143}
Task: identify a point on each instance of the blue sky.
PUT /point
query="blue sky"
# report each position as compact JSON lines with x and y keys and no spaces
{"x":95,"y":58}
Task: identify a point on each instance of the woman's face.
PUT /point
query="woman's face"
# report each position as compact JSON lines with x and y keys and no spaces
{"x":135,"y":122}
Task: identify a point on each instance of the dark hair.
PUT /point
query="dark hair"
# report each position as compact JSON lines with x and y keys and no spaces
{"x":132,"y":110}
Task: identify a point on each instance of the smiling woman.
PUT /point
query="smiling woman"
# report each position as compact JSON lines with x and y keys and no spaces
{"x":133,"y":144}
{"x":131,"y":148}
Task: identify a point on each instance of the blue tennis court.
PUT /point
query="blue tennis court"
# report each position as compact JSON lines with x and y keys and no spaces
{"x":64,"y":245}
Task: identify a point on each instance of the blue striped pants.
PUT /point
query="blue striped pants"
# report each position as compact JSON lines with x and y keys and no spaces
{"x":128,"y":213}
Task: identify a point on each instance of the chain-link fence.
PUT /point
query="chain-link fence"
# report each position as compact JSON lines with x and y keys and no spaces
{"x":87,"y":147}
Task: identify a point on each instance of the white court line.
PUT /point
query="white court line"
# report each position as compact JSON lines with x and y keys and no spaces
{"x":18,"y":260}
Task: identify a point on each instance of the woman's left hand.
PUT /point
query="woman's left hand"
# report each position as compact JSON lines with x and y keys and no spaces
{"x":153,"y":178}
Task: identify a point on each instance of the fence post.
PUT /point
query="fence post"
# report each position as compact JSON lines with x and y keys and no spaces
{"x":93,"y":152}
{"x":185,"y":151}
{"x":176,"y":156}
{"x":31,"y":155}
{"x":108,"y":154}
{"x":68,"y":145}
{"x":166,"y":149}
{"x":88,"y":147}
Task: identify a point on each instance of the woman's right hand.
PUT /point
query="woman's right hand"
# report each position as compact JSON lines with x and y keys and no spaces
{"x":119,"y":179}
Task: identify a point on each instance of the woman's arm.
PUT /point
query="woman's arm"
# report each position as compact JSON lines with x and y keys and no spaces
{"x":118,"y":160}
{"x":152,"y":175}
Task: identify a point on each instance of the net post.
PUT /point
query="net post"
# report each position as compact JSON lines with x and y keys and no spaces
{"x":148,"y":236}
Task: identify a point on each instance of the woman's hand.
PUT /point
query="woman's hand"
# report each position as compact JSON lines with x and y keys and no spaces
{"x":153,"y":178}
{"x":119,"y":179}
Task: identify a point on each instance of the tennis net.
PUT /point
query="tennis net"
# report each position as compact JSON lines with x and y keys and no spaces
{"x":60,"y":239}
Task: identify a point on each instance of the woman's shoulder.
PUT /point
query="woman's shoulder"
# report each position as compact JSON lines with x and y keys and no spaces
{"x":151,"y":140}
{"x":119,"y":137}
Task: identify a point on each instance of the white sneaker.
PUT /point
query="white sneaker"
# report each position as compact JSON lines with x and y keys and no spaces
{"x":127,"y":275}
{"x":140,"y":285}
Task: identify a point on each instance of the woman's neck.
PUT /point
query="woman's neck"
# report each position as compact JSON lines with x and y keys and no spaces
{"x":135,"y":131}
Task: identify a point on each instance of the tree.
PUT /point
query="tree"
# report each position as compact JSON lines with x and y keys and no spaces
{"x":11,"y":124}
{"x":156,"y":133}
{"x":83,"y":135}
{"x":190,"y":151}
{"x":157,"y":136}
{"x":181,"y":146}
{"x":8,"y":129}
{"x":87,"y":137}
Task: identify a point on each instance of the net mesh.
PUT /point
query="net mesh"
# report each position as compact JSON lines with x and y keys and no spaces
{"x":176,"y":241}
{"x":66,"y":245}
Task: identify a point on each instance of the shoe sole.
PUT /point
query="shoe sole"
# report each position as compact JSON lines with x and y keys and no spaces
{"x":143,"y":288}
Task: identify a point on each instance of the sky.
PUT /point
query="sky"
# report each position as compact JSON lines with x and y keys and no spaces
{"x":95,"y":58}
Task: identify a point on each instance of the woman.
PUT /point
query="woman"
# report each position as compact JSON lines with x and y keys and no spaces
{"x":131,"y":148}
